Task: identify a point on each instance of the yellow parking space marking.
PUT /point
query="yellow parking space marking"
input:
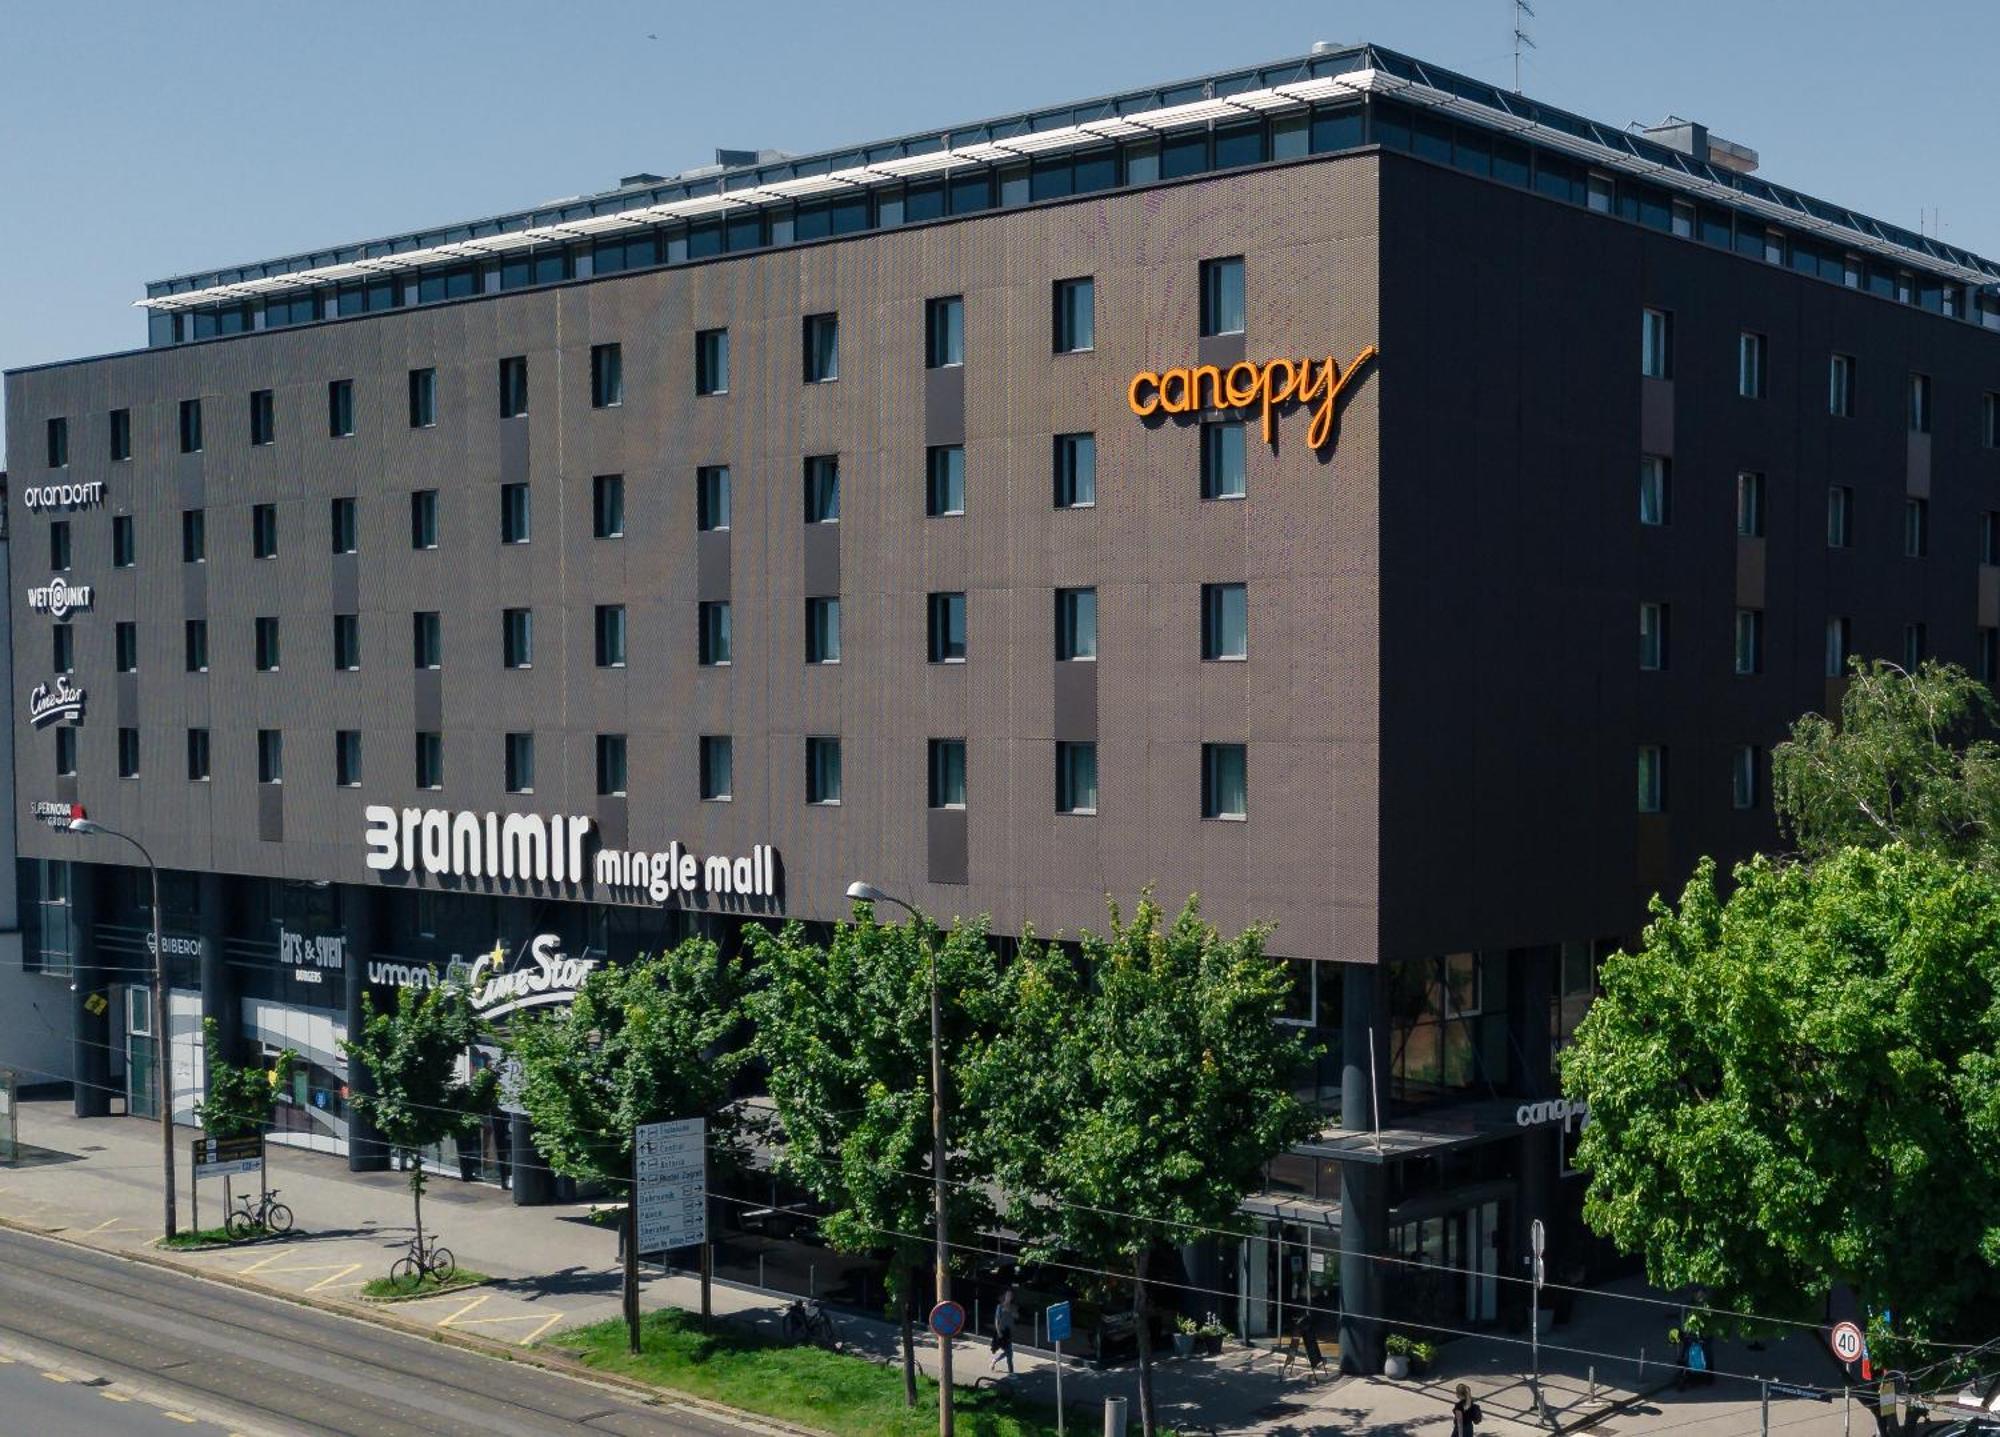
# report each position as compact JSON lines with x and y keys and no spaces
{"x":534,"y":1336}
{"x":55,"y":1377}
{"x":335,"y":1279}
{"x":543,"y":1322}
{"x":177,"y":1416}
{"x":100,"y":1227}
{"x":264,"y":1261}
{"x":108,"y":1395}
{"x":482,"y":1299}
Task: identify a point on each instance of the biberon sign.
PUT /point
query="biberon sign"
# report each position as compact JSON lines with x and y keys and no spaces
{"x":1266,"y":387}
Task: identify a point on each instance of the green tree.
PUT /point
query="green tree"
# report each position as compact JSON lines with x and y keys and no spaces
{"x":412,"y":1053}
{"x":845,"y":1031}
{"x":239,"y":1097}
{"x":1138,"y":1085}
{"x":1799,"y":1087}
{"x":1906,"y":762}
{"x":641,"y":1043}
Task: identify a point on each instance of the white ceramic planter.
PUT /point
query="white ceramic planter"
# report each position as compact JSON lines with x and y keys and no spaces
{"x":1396,"y":1366}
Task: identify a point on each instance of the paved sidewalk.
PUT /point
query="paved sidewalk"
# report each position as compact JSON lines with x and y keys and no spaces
{"x":97,"y":1181}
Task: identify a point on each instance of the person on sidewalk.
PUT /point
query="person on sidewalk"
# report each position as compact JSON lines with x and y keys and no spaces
{"x":1465,"y":1414}
{"x":1003,"y":1331}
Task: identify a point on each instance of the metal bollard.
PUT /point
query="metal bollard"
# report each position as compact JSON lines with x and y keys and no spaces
{"x":1114,"y":1417}
{"x":1593,"y":1382}
{"x":1764,"y":1420}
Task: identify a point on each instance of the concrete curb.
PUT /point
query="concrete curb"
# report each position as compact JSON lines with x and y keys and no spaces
{"x":548,"y":1361}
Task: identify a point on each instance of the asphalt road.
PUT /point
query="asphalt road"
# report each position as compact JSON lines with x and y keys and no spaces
{"x":238,"y":1362}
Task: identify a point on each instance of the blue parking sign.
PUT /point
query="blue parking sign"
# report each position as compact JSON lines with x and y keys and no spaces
{"x":1058,"y":1324}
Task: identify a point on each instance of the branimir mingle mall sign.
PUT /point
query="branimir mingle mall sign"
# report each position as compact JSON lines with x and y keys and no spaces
{"x":1268,"y":387}
{"x":558,"y":848}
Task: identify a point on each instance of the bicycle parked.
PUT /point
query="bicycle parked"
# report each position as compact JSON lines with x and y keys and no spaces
{"x":424,"y":1259}
{"x":807,"y":1321}
{"x":266,"y":1214}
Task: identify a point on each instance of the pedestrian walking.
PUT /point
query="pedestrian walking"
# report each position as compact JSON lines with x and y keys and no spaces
{"x":1003,"y":1331}
{"x":1465,"y":1414}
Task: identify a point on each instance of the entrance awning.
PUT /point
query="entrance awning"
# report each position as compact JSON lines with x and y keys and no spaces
{"x":1421,"y":1135}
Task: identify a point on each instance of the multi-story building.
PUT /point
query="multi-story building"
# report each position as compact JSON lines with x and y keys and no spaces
{"x":1245,"y":487}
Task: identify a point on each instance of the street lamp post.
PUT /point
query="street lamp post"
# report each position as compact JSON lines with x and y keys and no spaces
{"x":162,"y":1028}
{"x":869,"y":893}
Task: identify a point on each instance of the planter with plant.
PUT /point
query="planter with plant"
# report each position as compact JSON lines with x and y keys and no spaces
{"x":1185,"y":1328}
{"x":1406,"y":1355}
{"x":1208,"y":1337}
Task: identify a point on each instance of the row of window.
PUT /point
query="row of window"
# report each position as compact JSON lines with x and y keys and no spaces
{"x":1748,"y":642}
{"x":1656,"y":361}
{"x":1746,"y":777}
{"x":1224,"y":634}
{"x":1224,"y":790}
{"x":1656,"y":508}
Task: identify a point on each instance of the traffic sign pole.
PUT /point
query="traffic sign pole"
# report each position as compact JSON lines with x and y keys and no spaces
{"x":1059,"y":1328}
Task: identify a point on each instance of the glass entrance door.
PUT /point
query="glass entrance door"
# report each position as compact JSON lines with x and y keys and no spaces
{"x":1482,"y":1279}
{"x":142,"y":1051}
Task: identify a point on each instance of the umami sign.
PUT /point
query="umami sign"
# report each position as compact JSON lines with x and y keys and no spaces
{"x":1266,"y":387}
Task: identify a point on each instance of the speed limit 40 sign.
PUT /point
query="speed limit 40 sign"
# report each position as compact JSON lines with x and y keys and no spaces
{"x":1846,"y":1342}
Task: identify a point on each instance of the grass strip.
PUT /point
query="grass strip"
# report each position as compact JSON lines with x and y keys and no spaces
{"x":388,"y":1287}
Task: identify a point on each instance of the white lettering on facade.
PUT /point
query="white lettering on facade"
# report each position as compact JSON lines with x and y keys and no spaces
{"x":401,"y":975}
{"x":677,"y":872}
{"x":176,"y":947}
{"x":1555,"y":1110}
{"x":472,"y":845}
{"x":555,"y":977}
{"x":55,"y":815}
{"x":57,"y":700}
{"x":63,"y":496}
{"x":59,"y":598}
{"x":308,"y":955}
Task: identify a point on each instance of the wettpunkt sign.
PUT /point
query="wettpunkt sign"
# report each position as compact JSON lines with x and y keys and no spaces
{"x":1267,"y":388}
{"x":57,"y":699}
{"x":59,"y":598}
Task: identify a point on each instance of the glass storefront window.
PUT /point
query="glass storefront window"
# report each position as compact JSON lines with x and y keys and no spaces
{"x":1447,"y":1026}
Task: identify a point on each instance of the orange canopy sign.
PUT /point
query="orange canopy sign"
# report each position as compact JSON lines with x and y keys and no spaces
{"x":1266,"y":386}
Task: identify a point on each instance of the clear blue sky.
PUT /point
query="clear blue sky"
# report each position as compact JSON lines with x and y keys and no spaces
{"x":140,"y":139}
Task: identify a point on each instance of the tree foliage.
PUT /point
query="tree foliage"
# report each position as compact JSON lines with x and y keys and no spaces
{"x":845,"y":1030}
{"x":1799,"y":1087}
{"x":1906,"y":763}
{"x":239,"y":1097}
{"x":1137,"y":1086}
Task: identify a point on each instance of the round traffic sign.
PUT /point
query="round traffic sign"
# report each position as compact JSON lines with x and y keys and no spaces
{"x":947,"y":1319}
{"x":1847,"y":1342}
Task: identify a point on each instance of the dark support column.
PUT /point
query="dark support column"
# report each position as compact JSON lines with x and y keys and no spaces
{"x":90,"y":1021}
{"x":365,"y":921}
{"x":534,"y":1184}
{"x":218,"y":988}
{"x":1364,"y":1224}
{"x":1536,"y":1159}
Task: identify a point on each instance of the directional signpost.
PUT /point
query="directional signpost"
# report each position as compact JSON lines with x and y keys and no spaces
{"x":670,"y":1164}
{"x":223,"y":1158}
{"x":1059,"y":1328}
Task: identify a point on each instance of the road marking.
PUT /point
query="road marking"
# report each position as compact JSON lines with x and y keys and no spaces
{"x":177,"y":1416}
{"x":109,"y":1395}
{"x":334,"y":1280}
{"x":55,"y":1377}
{"x":530,"y":1339}
{"x":542,"y":1323}
{"x":100,"y":1227}
{"x":477,"y":1301}
{"x":262,"y":1261}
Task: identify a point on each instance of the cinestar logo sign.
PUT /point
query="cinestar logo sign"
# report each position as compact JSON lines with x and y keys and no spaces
{"x":59,"y":598}
{"x":553,"y":977}
{"x":60,"y":700}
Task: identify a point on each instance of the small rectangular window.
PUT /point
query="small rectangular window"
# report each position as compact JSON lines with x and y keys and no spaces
{"x":1916,"y":528}
{"x":515,"y":517}
{"x":1746,"y":768}
{"x":125,"y":644}
{"x":822,"y":770}
{"x":1916,"y":646}
{"x":1652,"y":635}
{"x":711,"y":362}
{"x":822,"y":348}
{"x":430,"y":760}
{"x":1224,"y":782}
{"x":822,"y":631}
{"x":517,"y":638}
{"x":65,"y":751}
{"x":1840,"y":386}
{"x":270,"y":755}
{"x":944,"y":332}
{"x":1774,"y":246}
{"x":718,"y":767}
{"x":264,"y":531}
{"x":520,"y":762}
{"x":427,"y":639}
{"x":190,"y":426}
{"x":424,"y":519}
{"x":342,"y":526}
{"x":947,"y":628}
{"x":1750,"y":505}
{"x":121,"y":435}
{"x":1989,"y":537}
{"x":1225,"y":621}
{"x":263,"y":417}
{"x":124,"y":542}
{"x":1222,"y":468}
{"x":607,"y":376}
{"x":128,"y":753}
{"x":947,"y":773}
{"x":1599,"y":192}
{"x":423,"y":398}
{"x":1839,"y":517}
{"x":1839,"y":645}
{"x":1988,"y":661}
{"x":1075,"y":471}
{"x":610,"y":765}
{"x":197,"y":755}
{"x":1075,"y":315}
{"x":267,"y":645}
{"x":822,"y":488}
{"x":62,"y":647}
{"x":59,"y":544}
{"x":1656,"y":341}
{"x":514,"y":386}
{"x":194,"y":645}
{"x":711,"y":483}
{"x":1920,"y":404}
{"x":194,"y":537}
{"x":607,"y":506}
{"x":1076,"y":778}
{"x":1654,"y":489}
{"x":346,"y":642}
{"x":347,"y":758}
{"x":944,"y":485}
{"x":1750,"y":365}
{"x":611,"y":636}
{"x":1222,"y":303}
{"x":1989,"y":428}
{"x":715,"y":637}
{"x":1749,"y":641}
{"x":340,"y":408}
{"x":1076,"y":625}
{"x":1652,"y":778}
